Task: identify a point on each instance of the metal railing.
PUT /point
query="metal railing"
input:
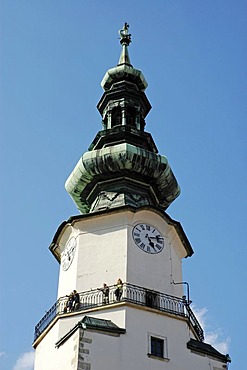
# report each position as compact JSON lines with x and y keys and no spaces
{"x":131,"y":293}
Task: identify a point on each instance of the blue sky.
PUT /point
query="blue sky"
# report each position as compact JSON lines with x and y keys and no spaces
{"x":54,"y":55}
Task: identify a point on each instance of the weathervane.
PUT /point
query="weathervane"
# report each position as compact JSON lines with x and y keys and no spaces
{"x":125,"y":37}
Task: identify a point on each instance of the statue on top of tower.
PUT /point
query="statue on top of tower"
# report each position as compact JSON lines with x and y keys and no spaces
{"x":125,"y":37}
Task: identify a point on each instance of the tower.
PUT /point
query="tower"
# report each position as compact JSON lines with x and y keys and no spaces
{"x":124,"y":238}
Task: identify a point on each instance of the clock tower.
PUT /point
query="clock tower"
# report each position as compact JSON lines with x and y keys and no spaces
{"x":120,"y":302}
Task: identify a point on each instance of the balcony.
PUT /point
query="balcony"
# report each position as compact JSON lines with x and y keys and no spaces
{"x":132,"y":294}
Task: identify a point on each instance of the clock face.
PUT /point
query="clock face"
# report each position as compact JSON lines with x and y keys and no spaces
{"x":148,"y":238}
{"x":68,"y":253}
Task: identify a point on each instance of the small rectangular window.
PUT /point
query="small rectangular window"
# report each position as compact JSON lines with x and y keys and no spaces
{"x":157,"y":346}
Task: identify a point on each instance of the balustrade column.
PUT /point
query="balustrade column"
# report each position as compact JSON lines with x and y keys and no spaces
{"x":123,"y":116}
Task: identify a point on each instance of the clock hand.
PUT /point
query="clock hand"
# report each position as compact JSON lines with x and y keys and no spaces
{"x":150,"y":242}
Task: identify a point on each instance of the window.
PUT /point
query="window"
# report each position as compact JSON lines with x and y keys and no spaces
{"x":116,"y":117}
{"x":131,"y":116}
{"x":157,"y":346}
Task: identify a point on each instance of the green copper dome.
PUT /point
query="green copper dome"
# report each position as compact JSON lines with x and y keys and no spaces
{"x":122,"y":166}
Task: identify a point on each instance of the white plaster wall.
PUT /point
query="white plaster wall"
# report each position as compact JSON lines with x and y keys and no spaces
{"x":116,"y":315}
{"x":105,"y":352}
{"x":139,"y":323}
{"x":48,"y":357}
{"x":127,"y":351}
{"x":67,"y":354}
{"x":100,"y":256}
{"x":155,"y":271}
{"x":135,"y":343}
{"x":45,"y":351}
{"x":106,"y":251}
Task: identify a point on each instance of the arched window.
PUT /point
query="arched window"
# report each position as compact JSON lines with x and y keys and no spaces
{"x":131,"y":117}
{"x":116,"y":117}
{"x":104,"y":122}
{"x":142,"y":124}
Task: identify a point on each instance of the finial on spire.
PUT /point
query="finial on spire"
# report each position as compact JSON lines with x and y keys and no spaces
{"x":125,"y":37}
{"x":125,"y":40}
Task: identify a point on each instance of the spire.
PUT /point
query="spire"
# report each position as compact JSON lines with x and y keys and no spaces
{"x":125,"y":40}
{"x":122,"y":166}
{"x":124,"y":69}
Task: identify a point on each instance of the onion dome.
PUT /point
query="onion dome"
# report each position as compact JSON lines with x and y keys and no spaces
{"x":122,"y":166}
{"x":124,"y":69}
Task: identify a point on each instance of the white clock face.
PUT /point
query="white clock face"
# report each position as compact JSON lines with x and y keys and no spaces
{"x":148,"y":238}
{"x":68,"y":253}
